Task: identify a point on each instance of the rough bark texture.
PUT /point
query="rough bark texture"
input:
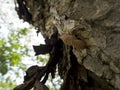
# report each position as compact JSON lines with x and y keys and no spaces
{"x":90,"y":31}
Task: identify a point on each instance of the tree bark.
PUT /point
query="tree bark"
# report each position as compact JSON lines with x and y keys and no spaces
{"x":90,"y":32}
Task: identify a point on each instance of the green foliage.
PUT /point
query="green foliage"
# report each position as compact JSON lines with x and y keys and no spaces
{"x":11,"y":50}
{"x":7,"y":85}
{"x":43,"y":59}
{"x":3,"y":68}
{"x":11,"y":53}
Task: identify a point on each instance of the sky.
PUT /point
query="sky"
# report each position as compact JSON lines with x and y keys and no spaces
{"x":9,"y":21}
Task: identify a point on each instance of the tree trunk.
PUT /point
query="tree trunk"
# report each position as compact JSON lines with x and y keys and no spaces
{"x":90,"y":34}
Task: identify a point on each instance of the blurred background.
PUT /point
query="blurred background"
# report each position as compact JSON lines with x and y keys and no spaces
{"x":16,"y":52}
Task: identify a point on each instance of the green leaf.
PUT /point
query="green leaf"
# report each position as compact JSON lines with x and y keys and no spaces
{"x":7,"y":85}
{"x":15,"y":46}
{"x":1,"y":42}
{"x":15,"y":58}
{"x":3,"y":68}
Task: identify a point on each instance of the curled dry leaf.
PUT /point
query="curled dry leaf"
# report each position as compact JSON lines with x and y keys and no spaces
{"x":73,"y":41}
